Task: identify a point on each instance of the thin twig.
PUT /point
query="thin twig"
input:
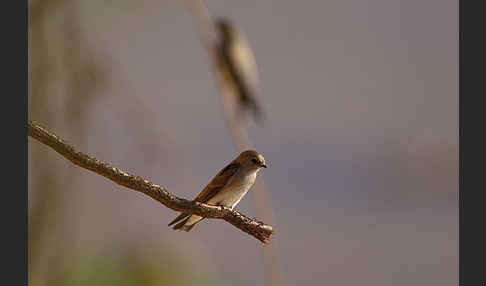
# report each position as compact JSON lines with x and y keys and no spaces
{"x":255,"y":228}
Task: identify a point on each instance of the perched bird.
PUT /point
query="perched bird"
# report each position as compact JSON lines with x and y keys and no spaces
{"x":236,"y":57}
{"x":227,"y":188}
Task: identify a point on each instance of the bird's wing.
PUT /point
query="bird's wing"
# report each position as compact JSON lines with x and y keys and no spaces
{"x":217,"y":183}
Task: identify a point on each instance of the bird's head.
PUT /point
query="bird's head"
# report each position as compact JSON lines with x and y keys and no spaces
{"x":251,"y":159}
{"x":224,"y":27}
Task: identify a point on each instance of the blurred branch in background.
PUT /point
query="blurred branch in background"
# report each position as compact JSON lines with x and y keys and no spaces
{"x":66,"y":77}
{"x":60,"y":62}
{"x":231,"y":107}
{"x":255,"y":228}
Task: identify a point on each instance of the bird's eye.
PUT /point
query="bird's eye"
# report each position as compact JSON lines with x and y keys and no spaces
{"x":255,"y":161}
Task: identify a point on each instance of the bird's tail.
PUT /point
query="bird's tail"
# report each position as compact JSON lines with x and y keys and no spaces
{"x":185,"y":222}
{"x":257,"y":111}
{"x":248,"y":103}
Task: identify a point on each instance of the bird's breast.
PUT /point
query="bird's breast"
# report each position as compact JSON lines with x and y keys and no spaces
{"x":234,"y":191}
{"x":242,"y":181}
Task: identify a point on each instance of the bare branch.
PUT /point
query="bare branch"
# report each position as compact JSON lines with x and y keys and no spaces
{"x":255,"y":228}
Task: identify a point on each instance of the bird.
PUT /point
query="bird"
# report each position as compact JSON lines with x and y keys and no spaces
{"x":227,"y":188}
{"x":236,"y":57}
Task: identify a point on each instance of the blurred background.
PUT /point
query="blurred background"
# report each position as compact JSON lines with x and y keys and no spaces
{"x":361,"y":140}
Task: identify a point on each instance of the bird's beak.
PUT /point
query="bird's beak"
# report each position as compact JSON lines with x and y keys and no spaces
{"x":264,"y":166}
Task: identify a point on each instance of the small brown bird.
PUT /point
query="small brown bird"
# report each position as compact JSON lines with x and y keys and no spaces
{"x":237,"y":57}
{"x":227,"y":188}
